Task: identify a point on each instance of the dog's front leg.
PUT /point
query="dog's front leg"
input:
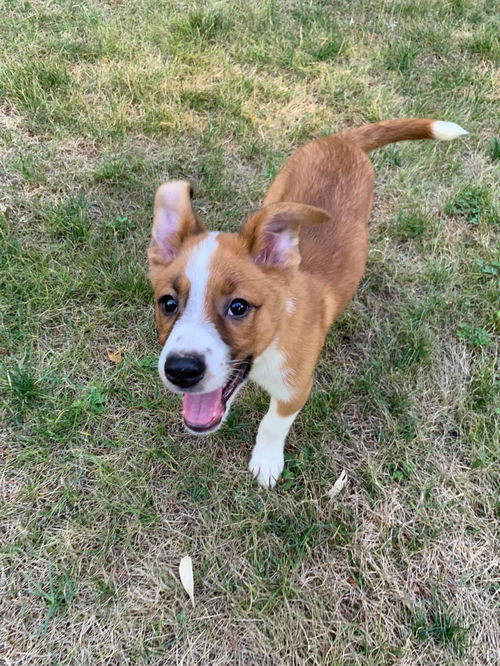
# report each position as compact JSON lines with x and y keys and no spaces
{"x":267,"y":460}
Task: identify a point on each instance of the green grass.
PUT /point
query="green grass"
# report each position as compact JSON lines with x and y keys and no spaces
{"x":101,"y":490}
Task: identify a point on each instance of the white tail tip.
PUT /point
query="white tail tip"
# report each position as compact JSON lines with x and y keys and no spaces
{"x":445,"y":131}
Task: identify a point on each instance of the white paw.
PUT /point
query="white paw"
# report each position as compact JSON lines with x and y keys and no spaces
{"x":266,"y":465}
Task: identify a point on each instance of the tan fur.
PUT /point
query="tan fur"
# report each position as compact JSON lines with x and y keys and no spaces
{"x":324,"y":195}
{"x":169,"y":278}
{"x":334,"y":174}
{"x":233,"y":276}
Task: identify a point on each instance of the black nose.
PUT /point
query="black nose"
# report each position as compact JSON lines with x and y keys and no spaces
{"x":184,"y":371}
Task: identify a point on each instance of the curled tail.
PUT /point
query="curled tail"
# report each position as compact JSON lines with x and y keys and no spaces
{"x":380,"y":134}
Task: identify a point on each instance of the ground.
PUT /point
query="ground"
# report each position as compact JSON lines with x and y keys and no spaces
{"x":101,"y":490}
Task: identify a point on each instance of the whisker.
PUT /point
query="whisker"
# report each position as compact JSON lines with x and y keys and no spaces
{"x":227,"y":378}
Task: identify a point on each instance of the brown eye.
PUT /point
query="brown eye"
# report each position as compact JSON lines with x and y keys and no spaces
{"x":238,"y":308}
{"x":168,"y":304}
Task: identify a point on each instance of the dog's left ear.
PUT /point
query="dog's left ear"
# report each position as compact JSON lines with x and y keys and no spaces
{"x":173,"y":221}
{"x":272,"y":234}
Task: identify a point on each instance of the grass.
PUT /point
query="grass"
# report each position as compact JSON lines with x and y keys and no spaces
{"x":102,"y":492}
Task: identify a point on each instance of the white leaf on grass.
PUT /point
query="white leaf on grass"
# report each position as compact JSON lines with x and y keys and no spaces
{"x":186,"y":576}
{"x":338,"y":485}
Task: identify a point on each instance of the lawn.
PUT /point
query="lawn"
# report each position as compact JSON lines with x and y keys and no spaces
{"x":101,"y":491}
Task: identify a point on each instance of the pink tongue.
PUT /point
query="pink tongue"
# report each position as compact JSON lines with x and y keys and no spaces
{"x":202,"y":409}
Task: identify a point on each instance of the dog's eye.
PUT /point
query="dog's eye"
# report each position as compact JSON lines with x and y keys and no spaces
{"x":168,"y":304}
{"x":238,"y":308}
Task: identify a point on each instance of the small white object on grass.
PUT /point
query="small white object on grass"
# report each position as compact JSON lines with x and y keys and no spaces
{"x":186,"y":576}
{"x":338,"y":485}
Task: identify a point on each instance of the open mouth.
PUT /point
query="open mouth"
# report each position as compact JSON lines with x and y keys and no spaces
{"x":203,"y":412}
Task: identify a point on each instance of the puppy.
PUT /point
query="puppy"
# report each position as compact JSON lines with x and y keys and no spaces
{"x":258,"y":304}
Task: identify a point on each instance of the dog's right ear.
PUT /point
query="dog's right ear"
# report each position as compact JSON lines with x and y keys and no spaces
{"x":173,"y":221}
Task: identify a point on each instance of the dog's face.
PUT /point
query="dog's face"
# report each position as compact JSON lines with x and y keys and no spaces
{"x":220,"y":297}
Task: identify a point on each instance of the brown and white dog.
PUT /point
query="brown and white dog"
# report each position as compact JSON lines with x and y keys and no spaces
{"x":257,"y":304}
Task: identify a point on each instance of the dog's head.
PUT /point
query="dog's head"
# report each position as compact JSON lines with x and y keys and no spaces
{"x":220,"y":297}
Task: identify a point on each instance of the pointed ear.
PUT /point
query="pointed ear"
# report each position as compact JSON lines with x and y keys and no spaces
{"x":173,"y":221}
{"x":272,"y":234}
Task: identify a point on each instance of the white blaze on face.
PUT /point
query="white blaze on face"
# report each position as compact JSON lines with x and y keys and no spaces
{"x":194,"y":333}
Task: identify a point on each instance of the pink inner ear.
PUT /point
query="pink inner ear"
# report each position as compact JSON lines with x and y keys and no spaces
{"x":278,"y":246}
{"x":166,"y":225}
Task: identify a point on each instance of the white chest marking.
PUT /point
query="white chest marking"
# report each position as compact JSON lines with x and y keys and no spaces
{"x":268,"y":372}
